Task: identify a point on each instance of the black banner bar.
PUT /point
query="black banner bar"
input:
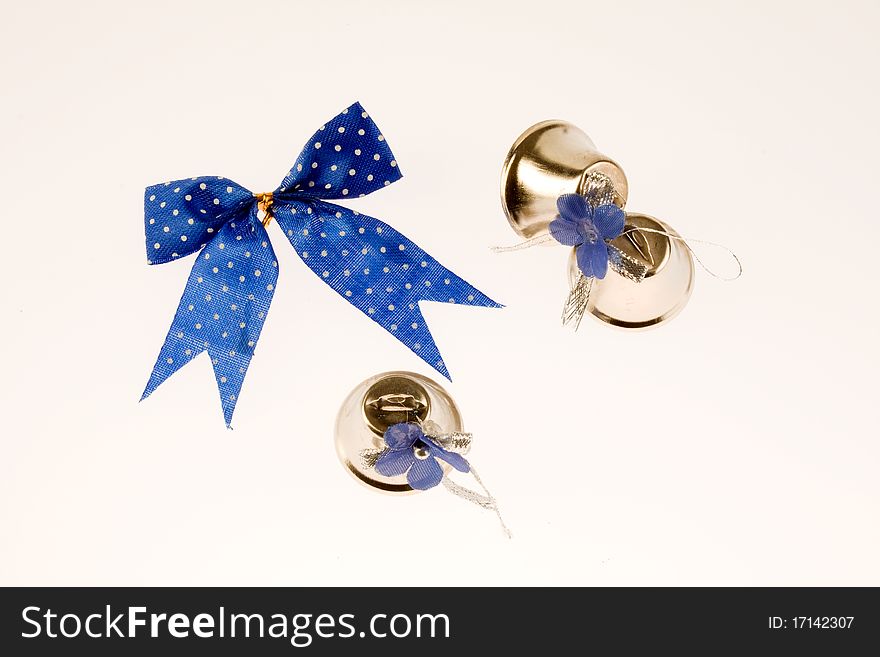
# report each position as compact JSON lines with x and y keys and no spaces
{"x":429,"y":621}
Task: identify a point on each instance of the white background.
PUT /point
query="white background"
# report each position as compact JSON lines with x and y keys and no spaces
{"x":735,"y":445}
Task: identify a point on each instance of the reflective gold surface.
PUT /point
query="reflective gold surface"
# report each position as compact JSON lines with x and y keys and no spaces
{"x":550,"y":159}
{"x":394,"y":399}
{"x":377,"y":403}
{"x":665,"y":289}
{"x":555,"y":157}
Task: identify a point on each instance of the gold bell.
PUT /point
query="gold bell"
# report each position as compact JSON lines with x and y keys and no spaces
{"x":555,"y":157}
{"x":379,"y":402}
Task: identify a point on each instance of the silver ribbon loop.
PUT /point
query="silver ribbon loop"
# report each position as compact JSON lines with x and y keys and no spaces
{"x":687,"y":241}
{"x":485,"y":501}
{"x":598,"y":189}
{"x":453,"y":441}
{"x":527,"y":244}
{"x":578,"y":299}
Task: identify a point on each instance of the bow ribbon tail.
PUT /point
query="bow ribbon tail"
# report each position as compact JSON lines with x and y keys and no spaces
{"x":223,"y":308}
{"x":378,"y":270}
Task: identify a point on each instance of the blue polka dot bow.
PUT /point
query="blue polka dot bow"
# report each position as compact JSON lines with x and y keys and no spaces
{"x":367,"y":262}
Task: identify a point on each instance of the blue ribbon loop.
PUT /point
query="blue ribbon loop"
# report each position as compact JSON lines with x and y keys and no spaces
{"x":367,"y":262}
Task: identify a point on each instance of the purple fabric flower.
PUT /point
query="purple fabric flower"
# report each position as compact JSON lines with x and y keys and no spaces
{"x":411,"y":451}
{"x":587,"y":229}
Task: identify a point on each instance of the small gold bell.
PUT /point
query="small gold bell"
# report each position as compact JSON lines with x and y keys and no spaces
{"x":376,"y":404}
{"x":554,"y":158}
{"x":660,"y":296}
{"x":548,"y":160}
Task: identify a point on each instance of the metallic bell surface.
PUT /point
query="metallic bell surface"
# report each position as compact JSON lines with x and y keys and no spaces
{"x":665,"y":289}
{"x":550,"y":159}
{"x":555,"y":157}
{"x":394,"y":399}
{"x":379,"y":402}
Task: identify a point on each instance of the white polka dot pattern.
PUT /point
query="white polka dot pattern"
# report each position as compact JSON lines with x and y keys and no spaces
{"x":343,"y":164}
{"x":230,"y":288}
{"x":182,"y":215}
{"x":223,"y":307}
{"x":376,"y":269}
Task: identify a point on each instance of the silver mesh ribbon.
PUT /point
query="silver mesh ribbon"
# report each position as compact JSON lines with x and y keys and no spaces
{"x":485,"y":501}
{"x":460,"y":442}
{"x":578,"y":299}
{"x":454,"y":441}
{"x":369,"y":457}
{"x":626,"y":265}
{"x":599,"y":190}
